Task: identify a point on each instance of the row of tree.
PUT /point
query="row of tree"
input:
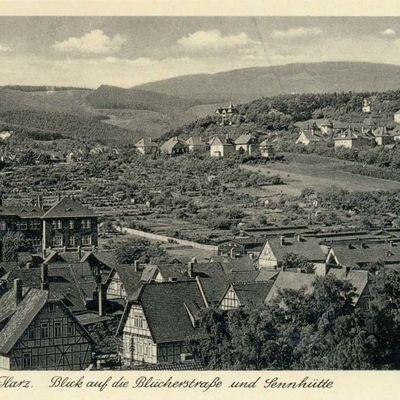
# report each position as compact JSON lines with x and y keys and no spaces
{"x":320,"y":329}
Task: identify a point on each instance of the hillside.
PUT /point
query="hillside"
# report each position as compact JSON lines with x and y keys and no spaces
{"x":250,"y":83}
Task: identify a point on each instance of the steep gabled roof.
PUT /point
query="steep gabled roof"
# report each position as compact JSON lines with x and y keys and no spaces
{"x":68,"y":208}
{"x":252,"y":294}
{"x":164,"y":305}
{"x":291,"y":280}
{"x":195,"y":141}
{"x":307,"y":247}
{"x":171,"y":143}
{"x":146,"y":142}
{"x":21,"y":316}
{"x":246,"y":139}
{"x":221,"y":141}
{"x":62,"y":284}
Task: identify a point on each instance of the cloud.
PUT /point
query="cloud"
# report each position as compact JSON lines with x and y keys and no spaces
{"x":213,"y":42}
{"x":94,"y":42}
{"x":389,"y":32}
{"x":294,"y":33}
{"x":4,"y":48}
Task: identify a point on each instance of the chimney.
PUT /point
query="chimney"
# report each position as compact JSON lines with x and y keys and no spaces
{"x":101,"y":295}
{"x":44,"y":253}
{"x":345,"y":271}
{"x":227,"y":136}
{"x":190,"y":269}
{"x":298,"y":237}
{"x":79,"y":251}
{"x":136,"y":265}
{"x":232,"y":253}
{"x":194,"y":260}
{"x":282,"y":239}
{"x":17,"y":290}
{"x":29,"y":265}
{"x":44,"y":276}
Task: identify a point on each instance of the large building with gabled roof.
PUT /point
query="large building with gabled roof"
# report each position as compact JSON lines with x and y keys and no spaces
{"x":69,"y":225}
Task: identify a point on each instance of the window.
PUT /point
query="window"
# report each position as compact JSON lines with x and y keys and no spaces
{"x":86,"y":240}
{"x":44,"y":330}
{"x":72,"y":240}
{"x":3,"y":226}
{"x":27,"y":360}
{"x":138,"y":321}
{"x":86,"y":223}
{"x":71,"y":224}
{"x":34,"y":224}
{"x":57,"y":329}
{"x":31,"y":333}
{"x":56,"y":223}
{"x":24,"y":225}
{"x":71,"y":329}
{"x":57,"y":240}
{"x":52,"y":307}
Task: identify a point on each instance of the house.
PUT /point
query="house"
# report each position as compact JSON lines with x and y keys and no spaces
{"x":351,"y":139}
{"x":288,"y":280}
{"x":308,"y":136}
{"x":221,"y":146}
{"x":277,"y":248}
{"x":266,"y":149}
{"x":326,"y":127}
{"x":366,"y":105}
{"x":357,"y":254}
{"x":69,"y":225}
{"x":226,"y":114}
{"x":396,"y":117}
{"x":195,"y":144}
{"x":246,"y":144}
{"x":125,"y":279}
{"x":146,"y":145}
{"x":382,"y":137}
{"x":245,"y":294}
{"x":25,"y":219}
{"x":174,"y":147}
{"x":38,"y":332}
{"x":159,"y":321}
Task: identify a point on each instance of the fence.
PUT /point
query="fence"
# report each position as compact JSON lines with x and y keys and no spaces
{"x":167,"y":239}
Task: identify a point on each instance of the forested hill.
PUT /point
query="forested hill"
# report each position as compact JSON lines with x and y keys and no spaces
{"x":250,"y":83}
{"x":284,"y":112}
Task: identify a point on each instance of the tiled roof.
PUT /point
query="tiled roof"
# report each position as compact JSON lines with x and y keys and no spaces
{"x":246,"y":139}
{"x":359,"y":279}
{"x":266,"y":275}
{"x":62,"y":284}
{"x":307,"y":247}
{"x":66,"y":208}
{"x":146,"y":142}
{"x":21,"y":315}
{"x":170,"y":144}
{"x":354,"y":254}
{"x":252,"y":294}
{"x":221,"y":140}
{"x":165,"y":311}
{"x":195,"y":141}
{"x":291,"y":280}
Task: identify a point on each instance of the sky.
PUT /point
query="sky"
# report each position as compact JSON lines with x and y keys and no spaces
{"x":128,"y":51}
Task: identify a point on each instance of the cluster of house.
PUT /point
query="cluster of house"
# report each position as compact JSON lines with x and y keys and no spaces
{"x":366,"y":135}
{"x":218,"y":146}
{"x":49,"y":299}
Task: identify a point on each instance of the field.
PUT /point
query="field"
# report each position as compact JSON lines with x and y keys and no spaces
{"x":320,"y":173}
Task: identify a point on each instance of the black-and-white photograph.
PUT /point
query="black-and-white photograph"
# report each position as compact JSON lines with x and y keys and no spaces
{"x":199,"y":193}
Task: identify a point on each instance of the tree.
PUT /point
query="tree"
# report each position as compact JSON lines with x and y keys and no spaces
{"x":131,"y":250}
{"x":13,"y":243}
{"x":385,"y":318}
{"x":297,"y":262}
